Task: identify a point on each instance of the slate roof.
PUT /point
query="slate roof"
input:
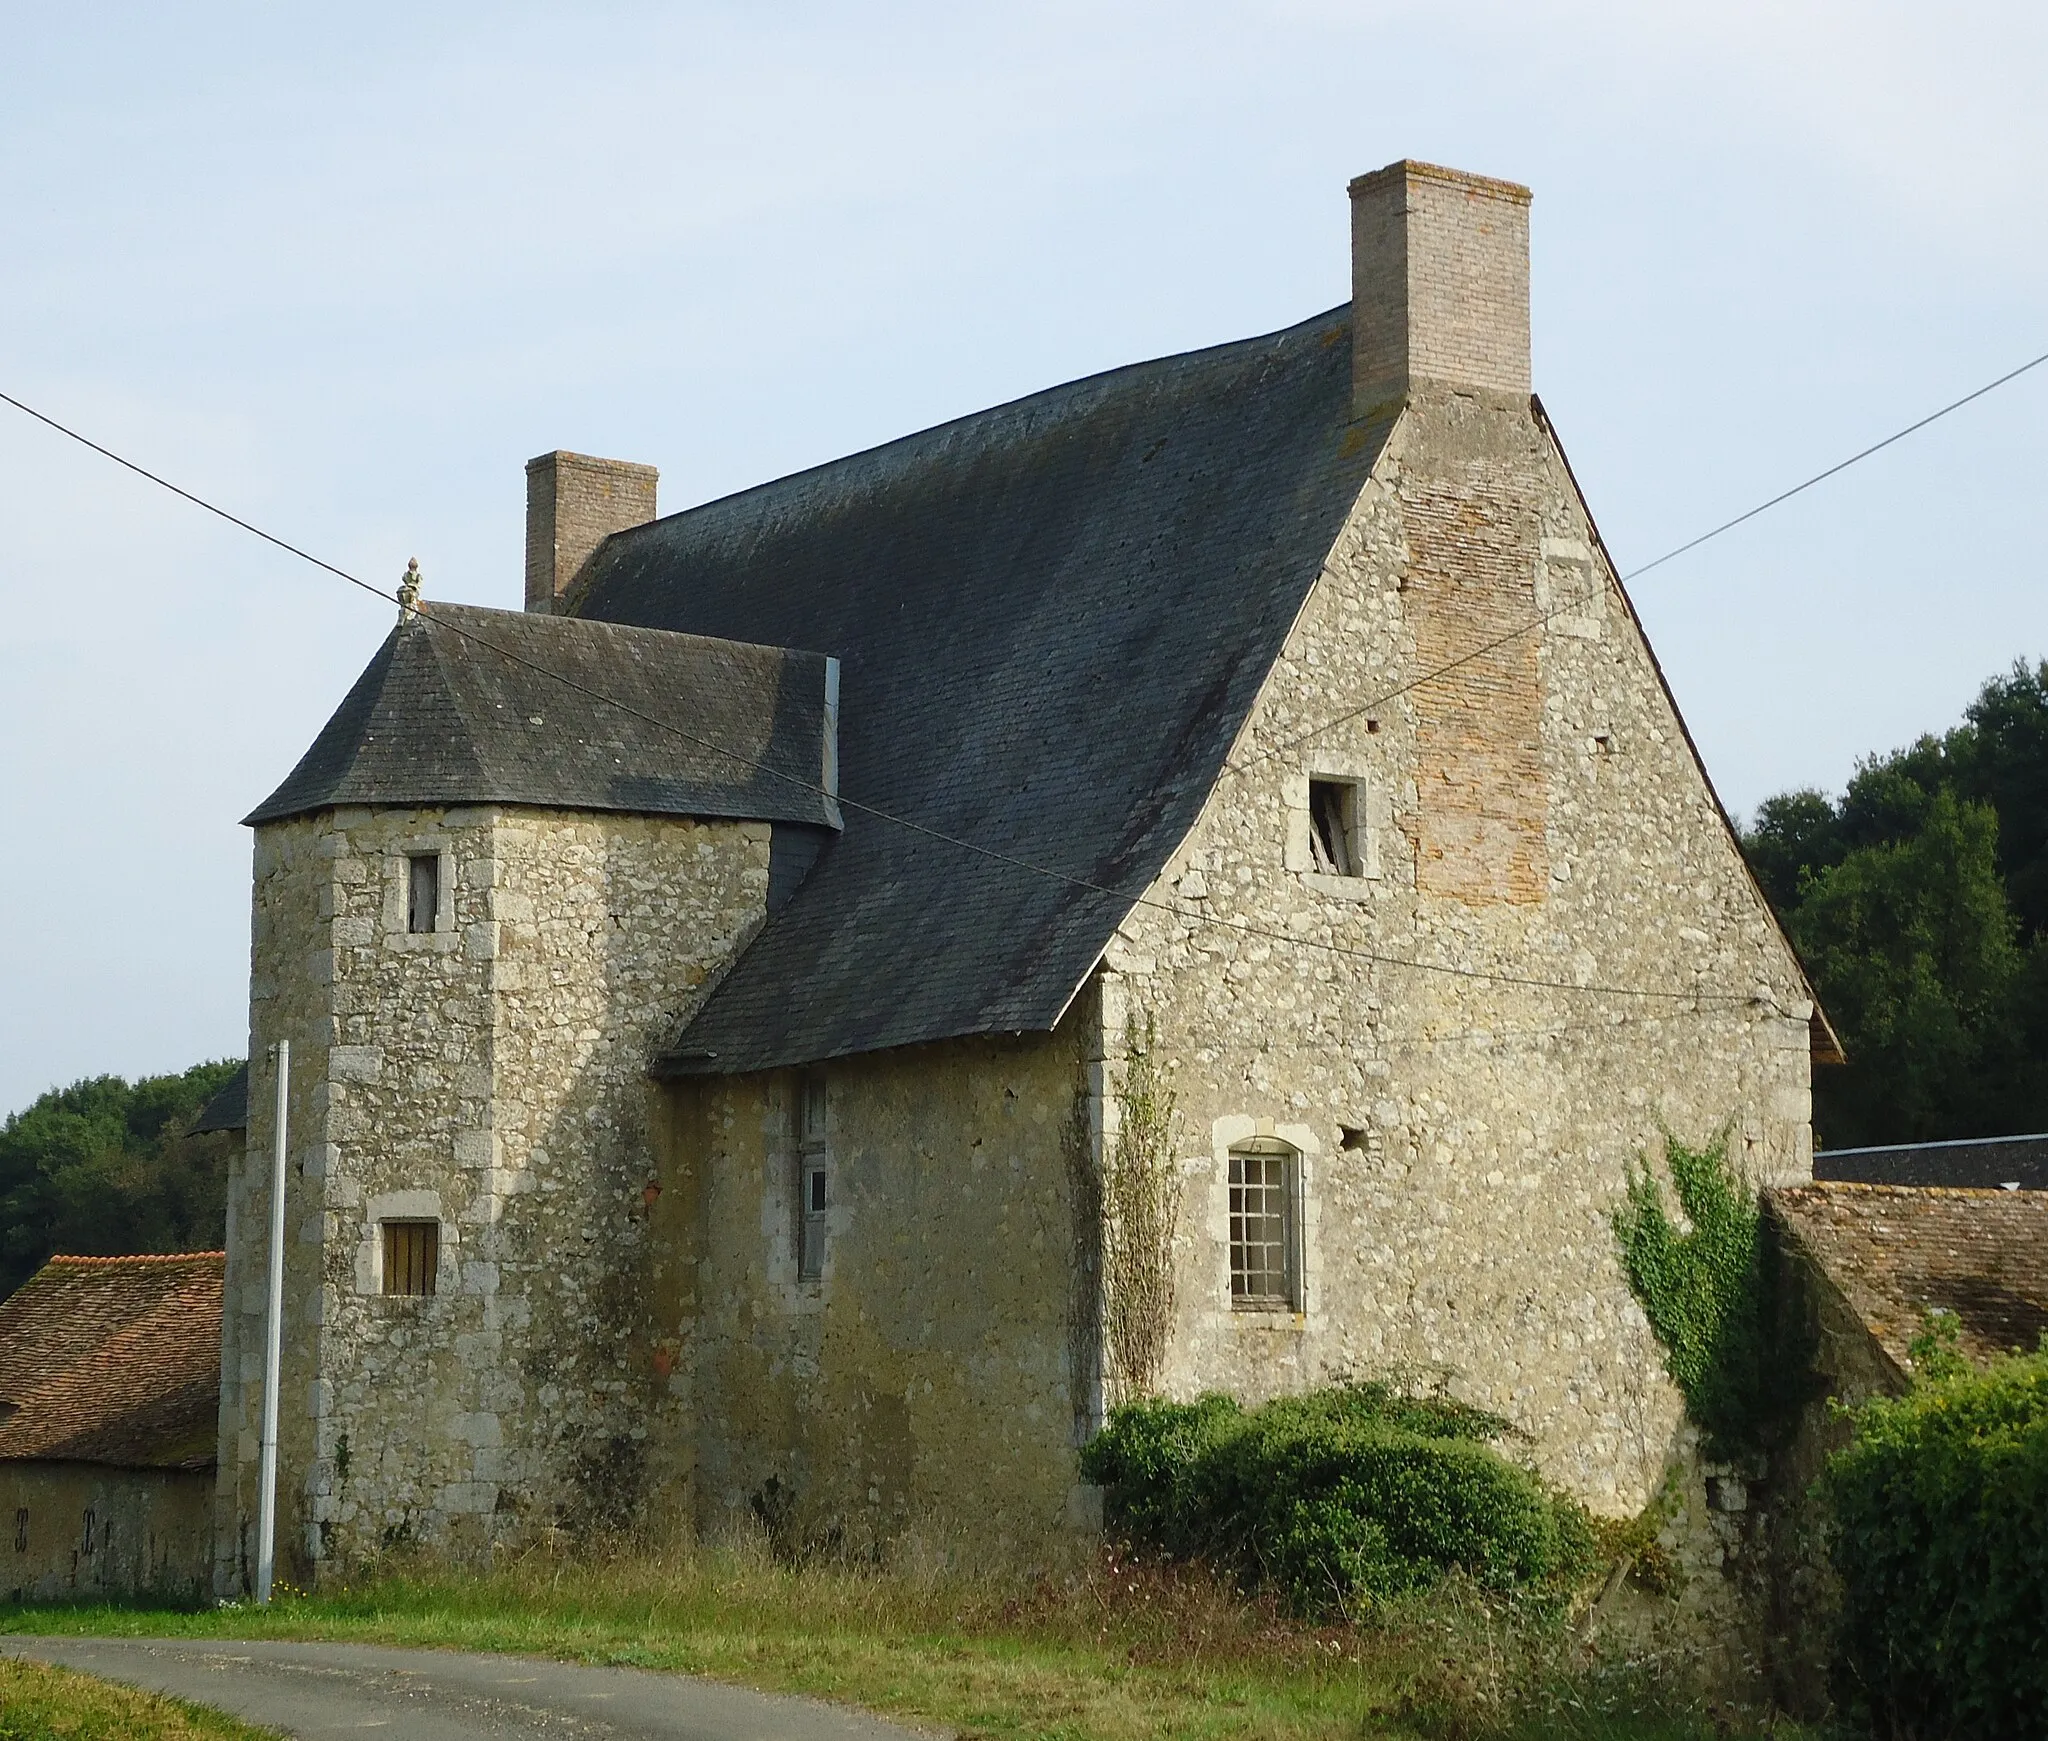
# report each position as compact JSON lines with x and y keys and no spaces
{"x":1896,"y":1250}
{"x":458,"y":706}
{"x":113,"y":1360}
{"x":1052,"y":618}
{"x":2020,"y":1161}
{"x":229,"y":1108}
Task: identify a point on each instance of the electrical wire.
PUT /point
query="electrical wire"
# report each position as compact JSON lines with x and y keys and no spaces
{"x":1599,"y":588}
{"x":1176,"y":909}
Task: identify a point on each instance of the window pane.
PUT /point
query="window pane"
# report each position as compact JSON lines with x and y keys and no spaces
{"x":1261,"y":1234}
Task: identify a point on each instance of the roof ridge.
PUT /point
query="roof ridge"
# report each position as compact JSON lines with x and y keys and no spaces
{"x":137,"y":1257}
{"x":1890,"y":1185}
{"x":1098,"y":380}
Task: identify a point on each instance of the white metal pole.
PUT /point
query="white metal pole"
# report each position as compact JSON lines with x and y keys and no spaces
{"x":273,"y":1341}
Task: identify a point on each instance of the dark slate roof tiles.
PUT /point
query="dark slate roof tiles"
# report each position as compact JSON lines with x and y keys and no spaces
{"x":1053,"y":618}
{"x":2017,"y":1161}
{"x":462,"y":706}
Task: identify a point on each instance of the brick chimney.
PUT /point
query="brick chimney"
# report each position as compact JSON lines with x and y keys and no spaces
{"x":1439,"y":284}
{"x":573,"y":504}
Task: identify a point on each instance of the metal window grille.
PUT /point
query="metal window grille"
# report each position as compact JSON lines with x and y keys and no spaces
{"x":812,"y":1176}
{"x":423,"y":892}
{"x":412,"y":1253}
{"x":1262,"y":1226}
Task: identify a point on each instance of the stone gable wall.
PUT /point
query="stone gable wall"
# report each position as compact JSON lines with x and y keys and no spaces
{"x":1536,"y":813}
{"x":488,"y":1075}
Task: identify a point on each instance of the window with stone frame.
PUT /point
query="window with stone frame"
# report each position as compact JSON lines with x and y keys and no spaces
{"x":813,"y":1175}
{"x":412,"y":1255}
{"x":1336,"y":826}
{"x":1265,"y":1226}
{"x":423,"y":891}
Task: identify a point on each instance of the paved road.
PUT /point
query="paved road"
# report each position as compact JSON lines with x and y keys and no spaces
{"x":320,"y":1690}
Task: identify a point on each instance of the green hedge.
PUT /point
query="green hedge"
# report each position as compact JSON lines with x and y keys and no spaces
{"x":1340,"y":1500}
{"x":1940,"y":1510}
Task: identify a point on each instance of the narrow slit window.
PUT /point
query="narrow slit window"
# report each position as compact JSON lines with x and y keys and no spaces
{"x":85,"y":1543}
{"x":1264,"y":1228}
{"x":21,"y":1529}
{"x":1333,"y":827}
{"x":813,"y":1176}
{"x":423,"y":891}
{"x":412,"y":1253}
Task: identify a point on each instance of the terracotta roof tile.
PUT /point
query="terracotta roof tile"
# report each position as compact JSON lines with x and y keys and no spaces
{"x":113,"y":1360}
{"x":1897,"y":1250}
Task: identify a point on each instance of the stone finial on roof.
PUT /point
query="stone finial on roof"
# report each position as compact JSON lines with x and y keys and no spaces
{"x":409,"y":591}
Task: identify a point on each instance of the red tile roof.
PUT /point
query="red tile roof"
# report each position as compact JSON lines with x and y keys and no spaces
{"x":1897,"y":1250}
{"x":113,"y":1360}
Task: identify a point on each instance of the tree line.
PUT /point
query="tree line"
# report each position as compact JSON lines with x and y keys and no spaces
{"x":1919,"y":903}
{"x":109,"y":1168}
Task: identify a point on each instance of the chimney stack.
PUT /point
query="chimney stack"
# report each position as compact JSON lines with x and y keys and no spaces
{"x":1439,"y":284}
{"x":573,"y":504}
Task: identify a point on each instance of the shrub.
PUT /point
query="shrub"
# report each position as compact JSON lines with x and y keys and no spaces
{"x":1343,"y":1499}
{"x":1940,"y":1506}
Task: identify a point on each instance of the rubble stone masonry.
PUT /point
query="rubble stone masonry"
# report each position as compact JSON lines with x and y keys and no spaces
{"x":487,"y":1075}
{"x":1535,"y":814}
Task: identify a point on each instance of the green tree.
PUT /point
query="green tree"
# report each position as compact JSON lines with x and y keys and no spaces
{"x":107,"y":1168}
{"x":1918,"y":952}
{"x":1920,"y":903}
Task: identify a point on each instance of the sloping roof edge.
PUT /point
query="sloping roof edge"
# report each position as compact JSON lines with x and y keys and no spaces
{"x":1825,"y":1045}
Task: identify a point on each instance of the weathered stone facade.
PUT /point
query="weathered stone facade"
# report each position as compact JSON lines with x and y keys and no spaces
{"x":77,"y":1531}
{"x":924,"y":1382}
{"x":1534,"y":813}
{"x":487,"y":1075}
{"x":1454,"y":935}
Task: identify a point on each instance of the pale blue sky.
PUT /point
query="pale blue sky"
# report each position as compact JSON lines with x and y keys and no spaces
{"x":346,"y":271}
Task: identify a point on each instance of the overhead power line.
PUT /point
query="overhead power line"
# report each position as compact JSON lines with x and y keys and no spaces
{"x":1694,"y":996}
{"x":1572,"y":602}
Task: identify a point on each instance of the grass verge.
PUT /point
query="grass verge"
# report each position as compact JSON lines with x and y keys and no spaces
{"x":41,"y":1703}
{"x":1118,"y":1651}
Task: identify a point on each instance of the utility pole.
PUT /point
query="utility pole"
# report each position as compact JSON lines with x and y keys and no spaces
{"x":273,"y":1339}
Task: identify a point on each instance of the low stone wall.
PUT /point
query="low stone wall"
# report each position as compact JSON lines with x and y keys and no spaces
{"x":83,"y":1529}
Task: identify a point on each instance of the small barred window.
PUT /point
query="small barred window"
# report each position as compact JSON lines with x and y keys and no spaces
{"x":412,"y":1253}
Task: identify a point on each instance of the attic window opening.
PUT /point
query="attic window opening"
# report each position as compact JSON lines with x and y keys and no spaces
{"x":412,"y":1254}
{"x":1333,"y":831}
{"x":423,"y":891}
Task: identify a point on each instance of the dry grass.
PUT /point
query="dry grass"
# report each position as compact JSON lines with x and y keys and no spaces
{"x":41,"y":1703}
{"x":1114,"y":1651}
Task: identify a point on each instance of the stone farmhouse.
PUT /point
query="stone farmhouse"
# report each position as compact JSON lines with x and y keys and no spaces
{"x":711,"y":990}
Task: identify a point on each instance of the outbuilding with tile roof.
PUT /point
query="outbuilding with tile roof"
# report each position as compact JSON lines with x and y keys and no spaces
{"x":109,"y":1410}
